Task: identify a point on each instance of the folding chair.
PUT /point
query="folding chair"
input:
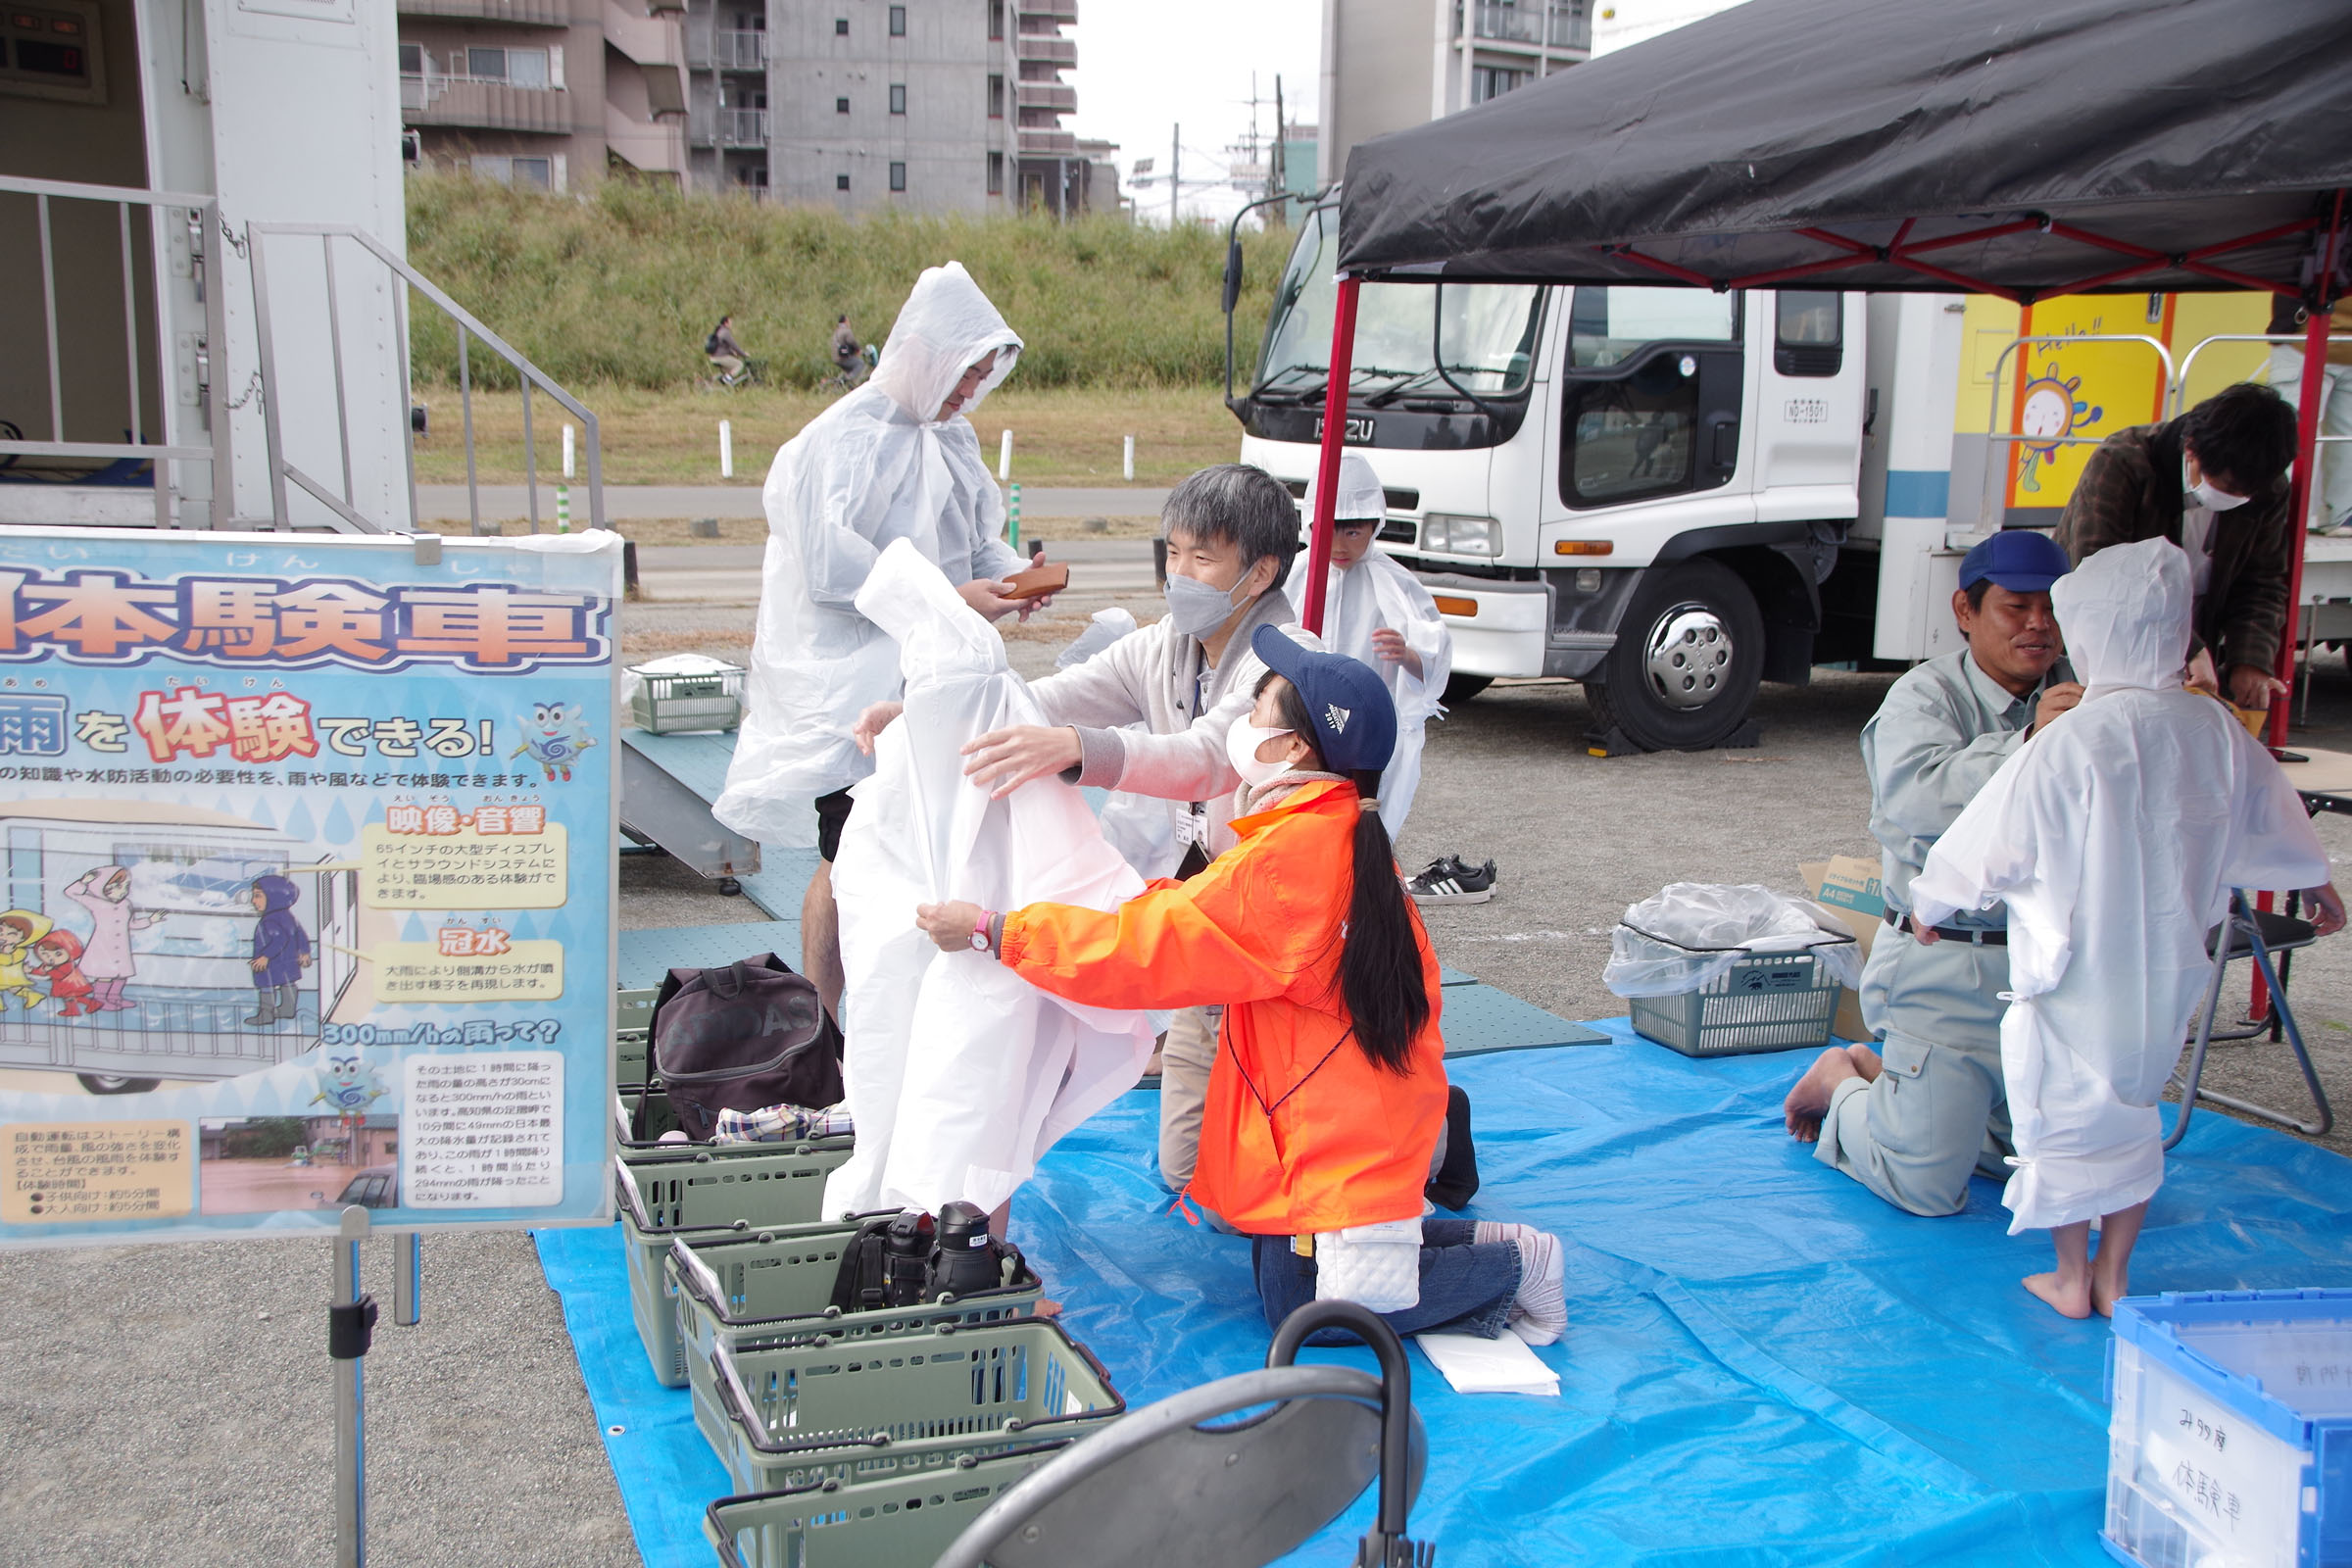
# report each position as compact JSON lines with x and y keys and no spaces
{"x":1180,"y":1485}
{"x":2256,"y":934}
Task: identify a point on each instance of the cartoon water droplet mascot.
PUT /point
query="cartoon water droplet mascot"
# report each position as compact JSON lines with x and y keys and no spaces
{"x":348,"y":1086}
{"x":554,"y":735}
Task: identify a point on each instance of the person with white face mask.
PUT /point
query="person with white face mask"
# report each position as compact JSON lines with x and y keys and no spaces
{"x":894,"y":460}
{"x":2114,"y":840}
{"x":1186,"y":678}
{"x":2214,"y":482}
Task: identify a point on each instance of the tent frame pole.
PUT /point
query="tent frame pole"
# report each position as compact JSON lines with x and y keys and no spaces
{"x":1335,"y":387}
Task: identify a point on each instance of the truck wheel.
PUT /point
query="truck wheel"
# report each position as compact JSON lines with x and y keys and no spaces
{"x":102,"y":1083}
{"x":1461,"y":688}
{"x":1688,"y":657}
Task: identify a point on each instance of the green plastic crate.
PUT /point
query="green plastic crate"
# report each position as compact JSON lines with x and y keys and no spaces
{"x":683,"y":1190}
{"x":784,"y":1414}
{"x":899,"y":1522}
{"x":778,"y":1286}
{"x":632,"y":1034}
{"x":1772,"y":1002}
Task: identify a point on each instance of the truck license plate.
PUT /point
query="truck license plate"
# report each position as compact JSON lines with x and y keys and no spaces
{"x":1356,"y":433}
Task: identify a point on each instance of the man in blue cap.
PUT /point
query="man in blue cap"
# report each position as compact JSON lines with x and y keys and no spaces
{"x":1911,"y":1119}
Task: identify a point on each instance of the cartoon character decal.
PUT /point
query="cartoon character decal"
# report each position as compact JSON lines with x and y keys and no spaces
{"x":348,"y":1086}
{"x":19,"y":931}
{"x":281,"y":950}
{"x":554,"y":735}
{"x":60,"y":956}
{"x":2049,"y":412}
{"x":105,"y":956}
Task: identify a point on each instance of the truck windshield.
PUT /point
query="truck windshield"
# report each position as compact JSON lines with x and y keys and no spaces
{"x":1488,"y":329}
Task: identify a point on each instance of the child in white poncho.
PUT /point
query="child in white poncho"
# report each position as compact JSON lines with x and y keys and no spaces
{"x":2114,"y":838}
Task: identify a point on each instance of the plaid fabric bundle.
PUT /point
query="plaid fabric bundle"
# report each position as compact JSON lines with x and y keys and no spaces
{"x":780,"y":1124}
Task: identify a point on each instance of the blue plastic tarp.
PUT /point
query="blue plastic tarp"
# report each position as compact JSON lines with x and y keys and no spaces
{"x":1765,"y":1363}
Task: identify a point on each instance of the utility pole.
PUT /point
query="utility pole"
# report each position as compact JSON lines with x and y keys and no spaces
{"x":1278,"y":164}
{"x":1175,"y":171}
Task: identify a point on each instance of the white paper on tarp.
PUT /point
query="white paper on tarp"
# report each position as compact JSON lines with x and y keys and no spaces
{"x":1373,"y":595}
{"x":960,"y":1073}
{"x":1689,"y":933}
{"x":1502,"y":1365}
{"x":877,"y":467}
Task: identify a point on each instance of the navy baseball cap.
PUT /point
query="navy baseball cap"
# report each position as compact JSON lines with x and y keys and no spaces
{"x":2016,"y":558}
{"x":1355,"y":720}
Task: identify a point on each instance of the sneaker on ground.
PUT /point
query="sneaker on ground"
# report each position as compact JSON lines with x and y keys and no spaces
{"x":1447,"y":880}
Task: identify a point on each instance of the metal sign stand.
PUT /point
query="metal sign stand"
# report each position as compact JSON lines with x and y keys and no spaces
{"x":350,"y":1331}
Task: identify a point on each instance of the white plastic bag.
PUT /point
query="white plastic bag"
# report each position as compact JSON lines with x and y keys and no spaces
{"x":1689,"y":933}
{"x":1103,"y":628}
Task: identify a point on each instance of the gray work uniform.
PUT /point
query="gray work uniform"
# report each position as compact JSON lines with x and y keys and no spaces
{"x":1938,"y":1111}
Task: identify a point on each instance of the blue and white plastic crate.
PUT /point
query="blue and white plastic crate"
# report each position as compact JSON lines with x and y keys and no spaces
{"x":2230,"y":1438}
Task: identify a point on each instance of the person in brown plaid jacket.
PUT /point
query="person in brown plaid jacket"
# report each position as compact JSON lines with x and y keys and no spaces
{"x":2213,"y":481}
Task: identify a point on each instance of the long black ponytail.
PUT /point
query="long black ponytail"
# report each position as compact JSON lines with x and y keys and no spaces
{"x":1380,"y":954}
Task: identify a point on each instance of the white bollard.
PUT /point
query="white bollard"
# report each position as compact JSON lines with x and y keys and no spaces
{"x":568,"y":452}
{"x":726,"y":450}
{"x":563,"y":516}
{"x":1130,"y":463}
{"x":1005,"y":458}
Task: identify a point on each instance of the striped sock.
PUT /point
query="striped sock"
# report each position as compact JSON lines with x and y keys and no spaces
{"x":1539,"y":1311}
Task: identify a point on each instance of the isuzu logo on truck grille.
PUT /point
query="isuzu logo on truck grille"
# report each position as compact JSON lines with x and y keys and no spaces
{"x":1358,"y":432}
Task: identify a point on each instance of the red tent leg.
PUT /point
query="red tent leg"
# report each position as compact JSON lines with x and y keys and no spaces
{"x":1327,"y":464}
{"x":2298,"y":503}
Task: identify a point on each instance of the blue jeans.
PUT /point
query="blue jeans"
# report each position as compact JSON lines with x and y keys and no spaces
{"x":1466,"y":1288}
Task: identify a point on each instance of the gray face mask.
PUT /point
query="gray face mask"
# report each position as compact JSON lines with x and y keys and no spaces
{"x":1198,"y":609}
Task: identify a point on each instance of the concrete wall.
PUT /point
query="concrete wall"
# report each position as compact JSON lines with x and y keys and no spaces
{"x":1380,"y":74}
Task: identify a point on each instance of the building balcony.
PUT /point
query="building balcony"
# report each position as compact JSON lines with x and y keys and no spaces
{"x":1056,"y":11}
{"x":1054,"y":95}
{"x":728,"y":127}
{"x":1047,"y":47}
{"x":516,"y":13}
{"x":464,"y":103}
{"x":649,"y":40}
{"x":1036,"y":143}
{"x":1530,"y":24}
{"x":729,"y":50}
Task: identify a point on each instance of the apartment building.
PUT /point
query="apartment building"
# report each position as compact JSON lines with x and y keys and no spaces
{"x":932,"y":106}
{"x":551,"y":93}
{"x":1393,"y":63}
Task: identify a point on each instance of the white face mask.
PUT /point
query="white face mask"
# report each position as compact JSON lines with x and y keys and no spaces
{"x":2204,"y":494}
{"x":1241,"y":748}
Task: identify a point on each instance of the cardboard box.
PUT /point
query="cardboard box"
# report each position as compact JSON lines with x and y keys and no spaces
{"x":1847,"y":885}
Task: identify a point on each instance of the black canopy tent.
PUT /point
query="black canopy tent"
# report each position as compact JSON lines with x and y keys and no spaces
{"x":2014,"y":147}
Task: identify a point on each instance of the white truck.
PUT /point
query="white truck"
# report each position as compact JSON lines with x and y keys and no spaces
{"x":1665,"y":493}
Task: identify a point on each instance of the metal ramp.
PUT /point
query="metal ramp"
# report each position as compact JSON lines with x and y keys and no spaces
{"x":668,"y":783}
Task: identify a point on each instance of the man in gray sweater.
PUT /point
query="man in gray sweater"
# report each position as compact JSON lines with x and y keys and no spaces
{"x":1232,"y":532}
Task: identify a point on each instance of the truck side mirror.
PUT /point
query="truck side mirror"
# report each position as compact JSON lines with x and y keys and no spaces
{"x":1233,"y":274}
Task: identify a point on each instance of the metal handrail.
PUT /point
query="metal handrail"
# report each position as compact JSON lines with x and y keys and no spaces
{"x":2178,"y":390}
{"x":282,"y":469}
{"x":1995,"y":437}
{"x":203,"y":218}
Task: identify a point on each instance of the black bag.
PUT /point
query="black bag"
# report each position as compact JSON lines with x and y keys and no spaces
{"x":710,"y":345}
{"x":742,"y":1038}
{"x":1455,"y":1180}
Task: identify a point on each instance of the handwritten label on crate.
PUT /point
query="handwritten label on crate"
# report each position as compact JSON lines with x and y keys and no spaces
{"x":54,"y":1173}
{"x":2235,"y":1480}
{"x":482,"y":1130}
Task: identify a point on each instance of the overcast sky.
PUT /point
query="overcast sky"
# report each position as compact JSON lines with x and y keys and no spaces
{"x":1144,"y":65}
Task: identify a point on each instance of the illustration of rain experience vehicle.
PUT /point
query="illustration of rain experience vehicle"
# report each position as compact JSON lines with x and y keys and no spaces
{"x":173,"y":886}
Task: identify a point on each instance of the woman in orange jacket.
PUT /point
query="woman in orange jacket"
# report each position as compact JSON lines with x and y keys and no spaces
{"x":1329,"y":1091}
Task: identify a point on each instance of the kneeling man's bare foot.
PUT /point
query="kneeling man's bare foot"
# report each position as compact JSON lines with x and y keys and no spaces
{"x":1809,"y":1100}
{"x":2068,"y":1299}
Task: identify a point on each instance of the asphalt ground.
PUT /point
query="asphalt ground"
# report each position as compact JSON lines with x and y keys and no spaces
{"x":174,"y":1404}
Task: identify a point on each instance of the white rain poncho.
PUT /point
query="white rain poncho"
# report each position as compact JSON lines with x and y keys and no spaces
{"x":960,"y":1073}
{"x":876,"y":467}
{"x":1373,"y":595}
{"x":2114,"y":837}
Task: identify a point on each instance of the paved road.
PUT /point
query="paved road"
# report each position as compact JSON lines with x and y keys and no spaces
{"x":438,"y":501}
{"x":729,"y":574}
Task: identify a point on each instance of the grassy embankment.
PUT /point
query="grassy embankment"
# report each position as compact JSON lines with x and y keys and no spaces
{"x":613,"y":297}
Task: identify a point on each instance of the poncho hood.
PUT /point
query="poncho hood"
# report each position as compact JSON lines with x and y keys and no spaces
{"x":1360,"y":495}
{"x":277,"y":893}
{"x":2125,"y":615}
{"x":945,"y":326}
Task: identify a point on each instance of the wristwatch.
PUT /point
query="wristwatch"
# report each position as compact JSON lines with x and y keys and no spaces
{"x":980,"y":933}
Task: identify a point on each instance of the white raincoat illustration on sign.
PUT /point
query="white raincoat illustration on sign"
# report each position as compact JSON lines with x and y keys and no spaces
{"x":1374,"y":594}
{"x":878,"y":466}
{"x":2114,"y":836}
{"x":960,"y":1073}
